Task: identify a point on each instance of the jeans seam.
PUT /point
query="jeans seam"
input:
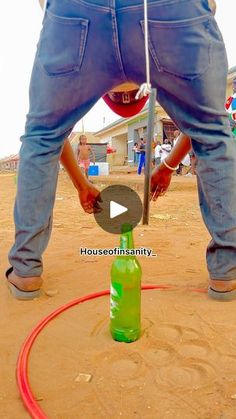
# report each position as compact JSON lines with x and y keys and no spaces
{"x":116,"y":41}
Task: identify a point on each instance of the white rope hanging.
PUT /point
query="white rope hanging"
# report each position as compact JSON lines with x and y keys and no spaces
{"x":145,"y":88}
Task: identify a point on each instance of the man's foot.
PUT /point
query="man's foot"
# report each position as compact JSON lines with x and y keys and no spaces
{"x":222,"y":286}
{"x":24,"y":288}
{"x":222,"y":290}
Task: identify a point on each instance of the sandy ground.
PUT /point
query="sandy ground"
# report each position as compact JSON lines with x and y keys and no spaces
{"x":183,"y":366}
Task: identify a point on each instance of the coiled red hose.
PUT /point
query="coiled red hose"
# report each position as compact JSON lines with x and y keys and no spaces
{"x":22,"y":364}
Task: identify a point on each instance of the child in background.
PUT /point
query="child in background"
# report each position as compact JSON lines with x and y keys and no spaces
{"x":136,"y":153}
{"x":83,"y":154}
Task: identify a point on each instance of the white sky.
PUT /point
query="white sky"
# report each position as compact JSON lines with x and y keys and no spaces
{"x":19,"y":31}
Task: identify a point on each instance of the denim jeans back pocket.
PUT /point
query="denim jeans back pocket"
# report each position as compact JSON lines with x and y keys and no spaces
{"x":62,"y":44}
{"x":181,"y":48}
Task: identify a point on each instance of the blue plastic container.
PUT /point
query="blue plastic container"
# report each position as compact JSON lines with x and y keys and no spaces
{"x":93,"y":170}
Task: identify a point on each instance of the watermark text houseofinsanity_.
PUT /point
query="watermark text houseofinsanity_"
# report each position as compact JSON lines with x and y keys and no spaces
{"x":116,"y":251}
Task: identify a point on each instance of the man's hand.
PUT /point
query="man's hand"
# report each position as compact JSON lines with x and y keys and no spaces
{"x":89,"y":197}
{"x":160,"y":181}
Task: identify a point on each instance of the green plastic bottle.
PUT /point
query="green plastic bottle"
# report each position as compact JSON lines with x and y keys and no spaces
{"x":125,"y":297}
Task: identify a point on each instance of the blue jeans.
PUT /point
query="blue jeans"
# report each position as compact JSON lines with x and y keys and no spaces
{"x":86,"y":47}
{"x":141,"y":163}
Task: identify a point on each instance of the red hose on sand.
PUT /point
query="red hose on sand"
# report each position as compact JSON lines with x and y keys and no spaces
{"x":22,"y":364}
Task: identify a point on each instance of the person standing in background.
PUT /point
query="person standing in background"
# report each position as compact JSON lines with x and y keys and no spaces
{"x":83,"y":154}
{"x":136,"y":153}
{"x":165,"y":149}
{"x":142,"y":154}
{"x":157,"y":153}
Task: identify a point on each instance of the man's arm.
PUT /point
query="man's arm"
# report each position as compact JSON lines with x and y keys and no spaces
{"x":89,"y":195}
{"x":179,"y":151}
{"x":70,"y":164}
{"x":161,"y":176}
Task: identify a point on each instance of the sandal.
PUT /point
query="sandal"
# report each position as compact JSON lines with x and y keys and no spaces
{"x":18,"y":293}
{"x":222,"y":295}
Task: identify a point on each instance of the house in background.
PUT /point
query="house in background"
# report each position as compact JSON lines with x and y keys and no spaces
{"x":123,"y":133}
{"x":9,"y":163}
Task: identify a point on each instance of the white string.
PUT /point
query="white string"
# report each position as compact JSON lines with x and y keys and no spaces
{"x":44,"y":7}
{"x":145,"y":88}
{"x":146,"y":42}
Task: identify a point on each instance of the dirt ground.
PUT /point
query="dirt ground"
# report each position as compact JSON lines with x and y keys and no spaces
{"x":183,"y":366}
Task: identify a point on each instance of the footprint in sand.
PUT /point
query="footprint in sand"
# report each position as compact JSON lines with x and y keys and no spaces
{"x":159,"y":353}
{"x":176,"y":354}
{"x":194,"y":348}
{"x":169,"y":333}
{"x":123,"y":365}
{"x":186,"y":373}
{"x":180,"y":355}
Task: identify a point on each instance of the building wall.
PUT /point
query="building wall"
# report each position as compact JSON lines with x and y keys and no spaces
{"x":119,"y":142}
{"x":113,"y":132}
{"x":134,"y":130}
{"x":117,"y":138}
{"x":123,"y":138}
{"x":138,"y":129}
{"x":10,"y":165}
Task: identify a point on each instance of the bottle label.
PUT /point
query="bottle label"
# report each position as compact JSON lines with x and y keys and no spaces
{"x":116,"y":294}
{"x":116,"y":289}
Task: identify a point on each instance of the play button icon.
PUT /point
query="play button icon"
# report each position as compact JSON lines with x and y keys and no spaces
{"x":120,"y":205}
{"x":116,"y":209}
